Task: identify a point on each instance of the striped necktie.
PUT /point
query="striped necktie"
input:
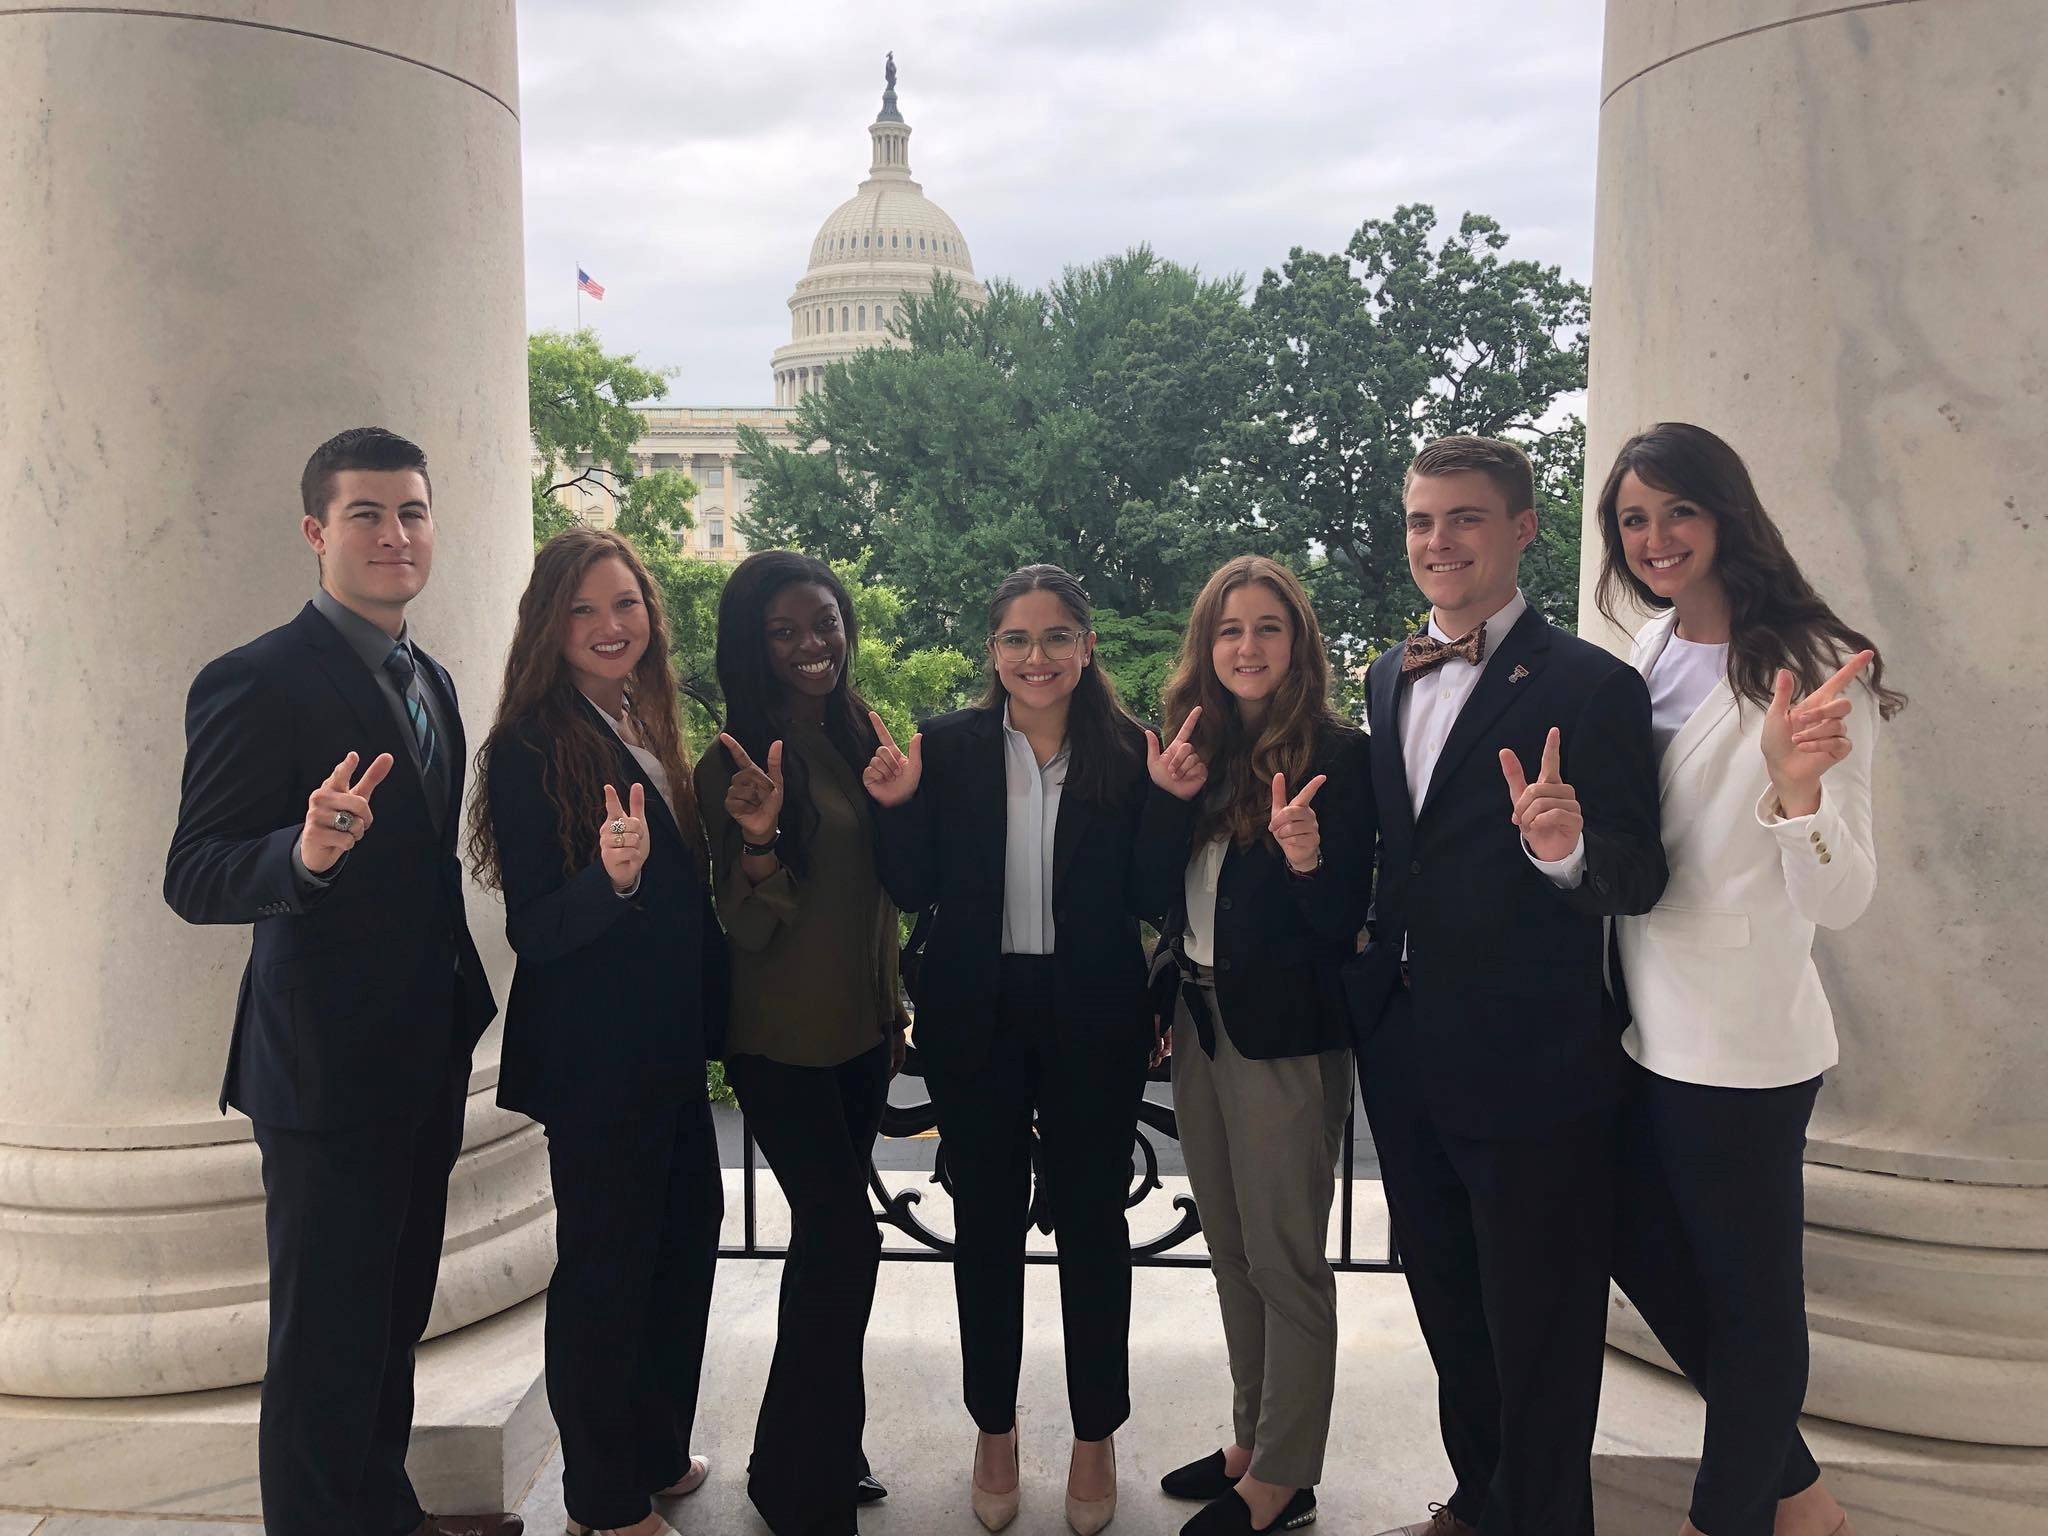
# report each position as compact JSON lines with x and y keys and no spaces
{"x":401,"y":666}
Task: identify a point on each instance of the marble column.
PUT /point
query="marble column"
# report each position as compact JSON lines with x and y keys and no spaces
{"x":236,"y":227}
{"x":1821,"y":232}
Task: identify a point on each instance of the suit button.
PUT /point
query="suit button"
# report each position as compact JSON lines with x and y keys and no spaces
{"x":1813,"y":837}
{"x":1223,"y":903}
{"x":1222,"y":965}
{"x":1826,"y":857}
{"x":1415,"y":866}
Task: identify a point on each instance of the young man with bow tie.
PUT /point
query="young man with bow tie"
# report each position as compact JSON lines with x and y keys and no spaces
{"x":363,"y":996}
{"x":1517,"y":790}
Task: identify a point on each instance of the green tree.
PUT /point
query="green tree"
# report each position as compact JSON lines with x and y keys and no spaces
{"x":1138,"y":652}
{"x":1083,"y":424}
{"x":1369,"y":354}
{"x":579,"y":401}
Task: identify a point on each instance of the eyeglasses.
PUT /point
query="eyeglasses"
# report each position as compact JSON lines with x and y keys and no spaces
{"x":1054,"y":644}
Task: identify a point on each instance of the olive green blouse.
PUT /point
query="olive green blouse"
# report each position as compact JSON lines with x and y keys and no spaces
{"x":814,"y":957}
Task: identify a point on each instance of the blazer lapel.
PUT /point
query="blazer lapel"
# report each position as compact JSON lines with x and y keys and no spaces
{"x":351,"y":679}
{"x":1520,"y":658}
{"x":1067,"y":833}
{"x":1706,"y":717}
{"x":990,"y":786}
{"x":1383,"y":714}
{"x":630,"y":771}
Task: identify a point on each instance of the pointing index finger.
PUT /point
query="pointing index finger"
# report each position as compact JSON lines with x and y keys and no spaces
{"x":735,"y":751}
{"x":1552,"y":758}
{"x":637,"y":801}
{"x":1279,"y":793}
{"x":612,"y":809}
{"x":1511,"y":770}
{"x":339,"y":778}
{"x":1187,"y":726}
{"x":1308,"y":790}
{"x":373,"y":775}
{"x":881,"y":730}
{"x":1843,"y":677}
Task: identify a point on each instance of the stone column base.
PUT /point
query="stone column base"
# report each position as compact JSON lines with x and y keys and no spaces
{"x":1891,"y":1485}
{"x":481,"y":1430}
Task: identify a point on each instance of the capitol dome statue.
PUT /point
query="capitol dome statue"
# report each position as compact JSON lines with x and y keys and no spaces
{"x":888,"y":239}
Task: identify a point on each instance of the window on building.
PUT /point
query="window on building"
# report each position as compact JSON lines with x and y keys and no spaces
{"x":892,"y":242}
{"x":714,"y":533}
{"x":828,"y":319}
{"x":845,"y":318}
{"x":714,"y":477}
{"x":862,"y":313}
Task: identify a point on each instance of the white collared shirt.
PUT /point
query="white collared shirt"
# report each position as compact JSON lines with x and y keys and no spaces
{"x":1033,"y":817}
{"x":649,"y":763}
{"x":1204,"y":873}
{"x":1431,"y":707}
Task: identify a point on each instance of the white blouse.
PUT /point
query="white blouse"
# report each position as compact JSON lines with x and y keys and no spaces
{"x":649,"y":763}
{"x":1680,"y":680}
{"x":1205,"y":869}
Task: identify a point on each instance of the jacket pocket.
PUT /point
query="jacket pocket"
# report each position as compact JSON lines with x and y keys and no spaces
{"x":1701,"y":926}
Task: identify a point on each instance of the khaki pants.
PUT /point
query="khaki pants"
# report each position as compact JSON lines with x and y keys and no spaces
{"x":1261,"y":1139}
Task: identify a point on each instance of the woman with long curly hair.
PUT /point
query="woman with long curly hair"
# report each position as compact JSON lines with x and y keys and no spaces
{"x":1765,"y":708}
{"x":816,"y":1029}
{"x":586,"y":821}
{"x":1261,"y":825}
{"x":1017,"y":819}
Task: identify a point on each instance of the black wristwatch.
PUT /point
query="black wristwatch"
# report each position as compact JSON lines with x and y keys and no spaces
{"x":761,"y":850}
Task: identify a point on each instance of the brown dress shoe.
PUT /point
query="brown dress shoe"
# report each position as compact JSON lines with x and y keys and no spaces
{"x":1441,"y":1522}
{"x":498,"y":1524}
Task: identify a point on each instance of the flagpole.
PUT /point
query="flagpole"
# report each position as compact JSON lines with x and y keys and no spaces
{"x":579,"y":295}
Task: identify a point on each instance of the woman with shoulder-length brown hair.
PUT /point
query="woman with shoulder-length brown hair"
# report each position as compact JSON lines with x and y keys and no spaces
{"x":586,"y":820}
{"x":1764,"y":707}
{"x":1260,"y":825}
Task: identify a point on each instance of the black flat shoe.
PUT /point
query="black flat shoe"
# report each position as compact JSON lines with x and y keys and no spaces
{"x":1204,"y":1479}
{"x":1231,"y":1516}
{"x":868,"y":1490}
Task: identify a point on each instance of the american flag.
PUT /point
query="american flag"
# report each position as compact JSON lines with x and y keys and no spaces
{"x":589,"y":284}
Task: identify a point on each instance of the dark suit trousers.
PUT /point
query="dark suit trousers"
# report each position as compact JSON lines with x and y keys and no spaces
{"x":1505,"y":1245}
{"x":638,"y":1201}
{"x":354,"y":1219}
{"x":816,"y":1126}
{"x":1087,"y":1115}
{"x":1710,"y":1246}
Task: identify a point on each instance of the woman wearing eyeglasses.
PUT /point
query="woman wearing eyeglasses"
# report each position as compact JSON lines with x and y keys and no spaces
{"x":1017,"y":819}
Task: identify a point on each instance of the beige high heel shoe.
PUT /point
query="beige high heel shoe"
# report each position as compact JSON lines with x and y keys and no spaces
{"x":996,"y":1510}
{"x":1087,"y":1516}
{"x":689,"y":1482}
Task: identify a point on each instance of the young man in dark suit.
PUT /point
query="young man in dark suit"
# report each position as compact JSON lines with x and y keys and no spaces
{"x":363,"y":996}
{"x":1488,"y":1049}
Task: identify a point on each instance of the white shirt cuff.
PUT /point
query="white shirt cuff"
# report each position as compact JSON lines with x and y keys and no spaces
{"x":1567,"y":872}
{"x":630,"y":892}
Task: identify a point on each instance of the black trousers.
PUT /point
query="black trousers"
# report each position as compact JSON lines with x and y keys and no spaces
{"x":816,"y":1126}
{"x":1086,"y":1105}
{"x":637,"y":1207}
{"x":1505,"y":1245}
{"x":1710,"y":1233}
{"x":354,"y":1223}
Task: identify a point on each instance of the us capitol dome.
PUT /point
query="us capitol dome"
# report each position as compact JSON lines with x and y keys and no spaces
{"x":886,"y":240}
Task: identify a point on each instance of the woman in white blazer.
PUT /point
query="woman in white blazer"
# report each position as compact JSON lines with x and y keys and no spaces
{"x":1765,"y":708}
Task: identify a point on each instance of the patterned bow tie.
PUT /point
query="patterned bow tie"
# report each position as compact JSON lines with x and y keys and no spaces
{"x":1425,"y":653}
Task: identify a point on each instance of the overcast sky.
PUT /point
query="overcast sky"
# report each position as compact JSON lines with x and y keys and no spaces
{"x":686,"y":152}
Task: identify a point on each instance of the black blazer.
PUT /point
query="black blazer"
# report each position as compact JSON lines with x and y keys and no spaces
{"x":616,"y":1000}
{"x":945,"y":848}
{"x":359,"y":1000}
{"x":1281,"y":939}
{"x":1513,"y":1027}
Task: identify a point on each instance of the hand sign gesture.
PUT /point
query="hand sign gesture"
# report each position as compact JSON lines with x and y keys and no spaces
{"x":622,"y":840}
{"x":754,"y":798}
{"x":338,"y":813}
{"x":1803,"y":741}
{"x":1177,"y":770}
{"x":1547,"y":811}
{"x":1294,"y":824}
{"x":892,"y":776}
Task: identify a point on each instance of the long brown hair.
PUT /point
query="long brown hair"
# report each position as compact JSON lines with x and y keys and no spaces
{"x":540,"y":699}
{"x":1775,"y":617}
{"x":1239,"y":801}
{"x":1101,"y":733}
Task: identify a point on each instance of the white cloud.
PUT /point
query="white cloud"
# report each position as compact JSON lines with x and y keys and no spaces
{"x":686,"y":154}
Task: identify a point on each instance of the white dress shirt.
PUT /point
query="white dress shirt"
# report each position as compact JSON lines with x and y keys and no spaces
{"x":1430,"y":708}
{"x":1205,"y":869}
{"x":649,"y":763}
{"x":1034,"y":814}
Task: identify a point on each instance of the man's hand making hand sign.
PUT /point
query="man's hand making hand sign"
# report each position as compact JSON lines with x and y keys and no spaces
{"x":1177,"y":769}
{"x":1803,"y":741}
{"x":338,"y":812}
{"x":754,"y":797}
{"x":1294,"y":827}
{"x":1547,"y":811}
{"x":892,"y":775}
{"x":622,"y":840}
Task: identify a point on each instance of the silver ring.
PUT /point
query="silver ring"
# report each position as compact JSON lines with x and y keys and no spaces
{"x":618,"y":828}
{"x":343,"y":820}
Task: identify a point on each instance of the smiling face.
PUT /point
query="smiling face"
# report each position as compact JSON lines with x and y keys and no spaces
{"x":607,"y":631}
{"x":1253,"y":646}
{"x":1465,"y":545}
{"x":1040,"y":650}
{"x":806,"y":635}
{"x":376,"y":544}
{"x":1667,"y":539}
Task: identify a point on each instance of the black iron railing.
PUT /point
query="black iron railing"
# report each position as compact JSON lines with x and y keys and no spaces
{"x":899,"y":1208}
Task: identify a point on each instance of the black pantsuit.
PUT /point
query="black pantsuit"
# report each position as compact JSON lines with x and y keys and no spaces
{"x":638,"y":1201}
{"x":354,"y":1221}
{"x":1087,"y":1117}
{"x":1709,"y":1245}
{"x":1504,"y":1244}
{"x":816,"y":1126}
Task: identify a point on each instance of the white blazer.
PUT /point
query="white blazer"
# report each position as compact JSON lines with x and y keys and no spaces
{"x":1720,"y":974}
